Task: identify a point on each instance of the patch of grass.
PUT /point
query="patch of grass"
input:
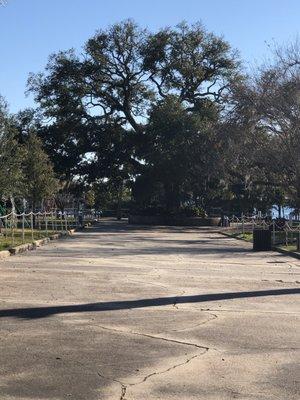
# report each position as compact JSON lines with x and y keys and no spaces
{"x":247,"y":236}
{"x":290,"y":247}
{"x":7,"y":241}
{"x":10,"y":237}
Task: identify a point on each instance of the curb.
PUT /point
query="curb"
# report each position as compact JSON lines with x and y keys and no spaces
{"x":22,"y":248}
{"x":287,"y":252}
{"x":4,"y":254}
{"x":55,"y":236}
{"x":41,"y":242}
{"x":233,"y":237}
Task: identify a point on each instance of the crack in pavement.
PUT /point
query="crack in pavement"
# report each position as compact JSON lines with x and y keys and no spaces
{"x":125,"y":386}
{"x":175,"y":301}
{"x":296,"y":313}
{"x":123,"y":392}
{"x":280,"y":281}
{"x":206,"y":348}
{"x":168,"y":369}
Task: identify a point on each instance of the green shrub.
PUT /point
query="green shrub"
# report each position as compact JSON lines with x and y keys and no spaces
{"x":193,"y":211}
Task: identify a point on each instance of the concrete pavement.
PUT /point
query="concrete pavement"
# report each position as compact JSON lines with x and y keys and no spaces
{"x":119,"y":312}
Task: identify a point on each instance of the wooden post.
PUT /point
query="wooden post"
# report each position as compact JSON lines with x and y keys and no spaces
{"x":39,"y":224}
{"x":5,"y":222}
{"x":13,"y":228}
{"x":46,"y":222}
{"x":55,"y":222}
{"x":31,"y":225}
{"x":52,"y":221}
{"x":243,"y":227}
{"x":23,"y":228}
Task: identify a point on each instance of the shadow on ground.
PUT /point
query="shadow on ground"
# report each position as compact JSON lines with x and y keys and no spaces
{"x":42,"y":312}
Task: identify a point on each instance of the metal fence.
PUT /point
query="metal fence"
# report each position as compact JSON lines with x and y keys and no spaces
{"x":284,"y":233}
{"x":23,"y":228}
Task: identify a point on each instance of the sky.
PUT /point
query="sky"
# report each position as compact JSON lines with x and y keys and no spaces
{"x":30,"y":30}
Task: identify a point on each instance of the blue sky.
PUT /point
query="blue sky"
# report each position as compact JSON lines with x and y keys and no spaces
{"x":32,"y":29}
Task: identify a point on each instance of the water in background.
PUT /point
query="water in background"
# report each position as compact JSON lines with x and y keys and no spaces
{"x":285,"y":212}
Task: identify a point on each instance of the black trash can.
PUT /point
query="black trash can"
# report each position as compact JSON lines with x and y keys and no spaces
{"x":262,"y":240}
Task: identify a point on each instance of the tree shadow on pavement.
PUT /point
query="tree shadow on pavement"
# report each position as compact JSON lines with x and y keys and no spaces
{"x":42,"y":312}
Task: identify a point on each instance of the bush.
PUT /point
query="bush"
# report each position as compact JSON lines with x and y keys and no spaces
{"x":185,"y":211}
{"x":148,"y":211}
{"x":193,"y":211}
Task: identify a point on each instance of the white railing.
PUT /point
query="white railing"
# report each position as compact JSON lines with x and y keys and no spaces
{"x":27,"y":227}
{"x":285,"y":232}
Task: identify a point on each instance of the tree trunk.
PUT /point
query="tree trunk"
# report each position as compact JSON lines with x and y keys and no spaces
{"x":33,"y":216}
{"x":119,"y":203}
{"x":172,"y":197}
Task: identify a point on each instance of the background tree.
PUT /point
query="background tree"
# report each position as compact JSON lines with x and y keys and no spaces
{"x":38,"y":173}
{"x":90,"y":198}
{"x":192,"y":63}
{"x":278,"y":106}
{"x":99,"y":104}
{"x":263,"y":133}
{"x":179,"y":155}
{"x":11,"y":157}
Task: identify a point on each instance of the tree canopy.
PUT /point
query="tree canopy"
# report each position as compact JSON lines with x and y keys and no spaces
{"x":168,"y":119}
{"x":107,"y":106}
{"x":25,"y":169}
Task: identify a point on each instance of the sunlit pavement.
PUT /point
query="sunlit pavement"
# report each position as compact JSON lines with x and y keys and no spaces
{"x":119,"y":312}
